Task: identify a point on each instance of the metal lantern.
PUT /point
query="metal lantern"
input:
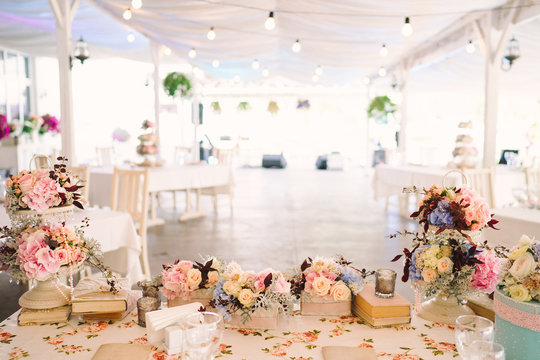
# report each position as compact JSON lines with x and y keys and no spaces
{"x":81,"y":51}
{"x":512,"y":54}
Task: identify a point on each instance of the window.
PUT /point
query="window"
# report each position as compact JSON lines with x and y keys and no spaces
{"x":15,"y":85}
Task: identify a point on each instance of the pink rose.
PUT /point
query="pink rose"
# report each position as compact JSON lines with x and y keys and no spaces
{"x":330,"y":276}
{"x":185,"y":265}
{"x":61,"y":256}
{"x":26,"y":183}
{"x":486,"y":275}
{"x":282,"y":286}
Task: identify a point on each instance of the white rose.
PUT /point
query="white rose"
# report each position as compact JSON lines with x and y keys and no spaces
{"x":246,"y":297}
{"x":523,"y":266}
{"x":321,"y":286}
{"x":525,"y":240}
{"x":232,"y":287}
{"x":340,"y":291}
{"x":194,"y":278}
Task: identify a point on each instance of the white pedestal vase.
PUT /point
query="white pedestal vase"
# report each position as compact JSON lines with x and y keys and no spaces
{"x":45,"y":295}
{"x":443,"y":309}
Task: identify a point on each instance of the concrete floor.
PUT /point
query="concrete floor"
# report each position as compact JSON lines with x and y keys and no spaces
{"x":280,"y":217}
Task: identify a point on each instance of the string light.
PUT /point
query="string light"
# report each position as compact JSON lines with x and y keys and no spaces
{"x":407,"y":29}
{"x":382,"y":71}
{"x":255,"y":64}
{"x":215,"y":63}
{"x":319,"y":70}
{"x":211,"y":35}
{"x":192,"y":53}
{"x":136,"y":4}
{"x":384,"y":50}
{"x":270,"y":22}
{"x":315,"y":78}
{"x":130,"y":37}
{"x":265,"y":72}
{"x":167,"y":51}
{"x":470,"y":48}
{"x":127,"y":14}
{"x":367,"y":80}
{"x":296,"y":46}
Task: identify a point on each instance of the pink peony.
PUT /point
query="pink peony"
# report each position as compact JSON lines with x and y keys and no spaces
{"x":485,"y":277}
{"x":282,"y":286}
{"x":259,"y":279}
{"x":185,"y":265}
{"x":44,"y":193}
{"x":26,"y":183}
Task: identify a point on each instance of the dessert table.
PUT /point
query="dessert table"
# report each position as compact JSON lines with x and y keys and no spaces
{"x":115,"y":231}
{"x":514,"y":222}
{"x":164,"y":178}
{"x":299,"y":338}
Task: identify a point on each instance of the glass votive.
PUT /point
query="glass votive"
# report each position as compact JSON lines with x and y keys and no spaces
{"x":144,"y":305}
{"x":385,"y":283}
{"x":486,"y":350}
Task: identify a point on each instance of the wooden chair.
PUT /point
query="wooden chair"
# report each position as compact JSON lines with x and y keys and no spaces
{"x":532,"y":177}
{"x":83,"y":174}
{"x":130,"y":194}
{"x":482,"y":180}
{"x":225,"y":157}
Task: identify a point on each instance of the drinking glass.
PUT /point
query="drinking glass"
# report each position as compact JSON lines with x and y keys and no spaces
{"x":486,"y":350}
{"x":202,"y":335}
{"x":470,"y":328}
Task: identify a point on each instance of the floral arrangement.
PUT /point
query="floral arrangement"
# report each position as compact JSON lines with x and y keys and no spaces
{"x":5,"y":128}
{"x":303,"y":104}
{"x":465,"y":151}
{"x":273,"y":107}
{"x":243,"y":106}
{"x":460,"y":209}
{"x":31,"y":124}
{"x":247,"y":291}
{"x":464,"y":138}
{"x":521,"y":274}
{"x":380,"y":108}
{"x":148,"y":141}
{"x":43,"y":189}
{"x":182,"y":278}
{"x":147,"y":124}
{"x":176,"y":83}
{"x":333,"y":279}
{"x":216,"y":108}
{"x":120,"y":135}
{"x":450,"y":265}
{"x":49,"y":124}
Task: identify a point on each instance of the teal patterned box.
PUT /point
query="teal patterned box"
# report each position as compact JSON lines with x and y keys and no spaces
{"x":517,"y":327}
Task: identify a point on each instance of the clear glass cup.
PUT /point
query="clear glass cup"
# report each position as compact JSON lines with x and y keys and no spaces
{"x":385,"y":283}
{"x":486,"y":350}
{"x":203,"y":332}
{"x":470,"y":328}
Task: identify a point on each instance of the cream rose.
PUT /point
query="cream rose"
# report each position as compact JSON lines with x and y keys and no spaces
{"x":444,"y":264}
{"x":232,"y":287}
{"x":246,"y":297}
{"x":523,"y":266}
{"x":321,"y":286}
{"x":517,"y":252}
{"x":525,"y":240}
{"x":428,"y":274}
{"x":194,"y":278}
{"x":340,"y":291}
{"x":519,"y":293}
{"x":213,"y":277}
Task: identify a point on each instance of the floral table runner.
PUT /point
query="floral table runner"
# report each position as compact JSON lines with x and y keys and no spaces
{"x":297,"y":338}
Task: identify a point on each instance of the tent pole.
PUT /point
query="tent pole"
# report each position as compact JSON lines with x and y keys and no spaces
{"x":402,"y":138}
{"x":156,"y":55}
{"x":64,"y":11}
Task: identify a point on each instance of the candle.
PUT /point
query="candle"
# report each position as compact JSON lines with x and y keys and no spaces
{"x":385,"y":283}
{"x":144,"y":305}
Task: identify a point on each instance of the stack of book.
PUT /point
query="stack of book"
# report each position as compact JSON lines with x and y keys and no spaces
{"x":379,"y":312}
{"x":97,"y":302}
{"x":43,"y":316}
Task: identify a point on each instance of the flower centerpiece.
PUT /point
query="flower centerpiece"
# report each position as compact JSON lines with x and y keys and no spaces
{"x":303,"y":104}
{"x":517,"y":301}
{"x":148,"y":147}
{"x":325,"y":286}
{"x":50,"y":124}
{"x":185,"y":281}
{"x":5,"y":128}
{"x":251,"y":299}
{"x":444,"y":260}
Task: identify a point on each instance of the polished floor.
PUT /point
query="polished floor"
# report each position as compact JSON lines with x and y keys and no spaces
{"x":280,"y":217}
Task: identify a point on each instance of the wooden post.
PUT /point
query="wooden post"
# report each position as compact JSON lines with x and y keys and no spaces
{"x":156,"y":50}
{"x":64,"y":12}
{"x":402,"y":138}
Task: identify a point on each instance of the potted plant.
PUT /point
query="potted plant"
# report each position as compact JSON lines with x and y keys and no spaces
{"x":379,"y":109}
{"x":177,"y":83}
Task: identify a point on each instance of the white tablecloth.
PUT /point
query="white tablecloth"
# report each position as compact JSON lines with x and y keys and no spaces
{"x":300,"y":338}
{"x":390,"y":180}
{"x":514,"y":222}
{"x":115,"y":232}
{"x":160,"y":179}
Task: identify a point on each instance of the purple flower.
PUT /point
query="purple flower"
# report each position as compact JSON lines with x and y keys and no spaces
{"x":414,"y":273}
{"x":536,"y":250}
{"x":5,"y":129}
{"x":50,"y":124}
{"x":441,"y":216}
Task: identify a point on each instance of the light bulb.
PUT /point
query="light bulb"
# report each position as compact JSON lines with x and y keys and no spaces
{"x":407,"y":29}
{"x":319,"y":70}
{"x":127,"y":14}
{"x":130,"y":37}
{"x":265,"y":73}
{"x":296,"y":46}
{"x":192,"y":53}
{"x":470,"y":47}
{"x":215,"y":63}
{"x":270,"y":22}
{"x":211,"y":35}
{"x":255,"y":64}
{"x":367,"y":80}
{"x":315,"y":78}
{"x":137,"y":4}
{"x":382,"y":71}
{"x":167,"y":51}
{"x":384,"y":50}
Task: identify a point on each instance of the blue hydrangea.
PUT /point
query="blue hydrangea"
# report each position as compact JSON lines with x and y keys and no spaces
{"x":414,"y":273}
{"x":220,"y":294}
{"x":351,"y":278}
{"x":441,"y":216}
{"x":536,"y":250}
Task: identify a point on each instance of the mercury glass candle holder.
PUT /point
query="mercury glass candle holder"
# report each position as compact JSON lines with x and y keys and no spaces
{"x":385,"y":283}
{"x":144,"y":305}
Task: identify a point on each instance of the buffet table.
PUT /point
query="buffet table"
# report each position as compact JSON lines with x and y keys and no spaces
{"x":115,"y":232}
{"x":164,"y":178}
{"x":300,"y":338}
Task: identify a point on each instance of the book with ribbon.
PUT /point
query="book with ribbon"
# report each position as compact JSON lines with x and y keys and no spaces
{"x":94,"y":296}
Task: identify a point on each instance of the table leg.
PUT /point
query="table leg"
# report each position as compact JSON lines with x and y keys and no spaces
{"x":154,"y":220}
{"x":190,"y":214}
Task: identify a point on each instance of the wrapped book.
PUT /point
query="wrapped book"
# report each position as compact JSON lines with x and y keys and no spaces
{"x":381,"y":312}
{"x":93,"y":296}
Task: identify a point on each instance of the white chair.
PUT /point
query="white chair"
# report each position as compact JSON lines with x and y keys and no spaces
{"x":225,"y":157}
{"x":83,"y":174}
{"x":130,"y":194}
{"x":105,"y":155}
{"x":482,"y":180}
{"x":532,"y":177}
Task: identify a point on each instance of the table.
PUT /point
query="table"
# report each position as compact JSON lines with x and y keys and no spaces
{"x":115,"y":231}
{"x":299,"y":337}
{"x":514,"y":222}
{"x":164,"y":178}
